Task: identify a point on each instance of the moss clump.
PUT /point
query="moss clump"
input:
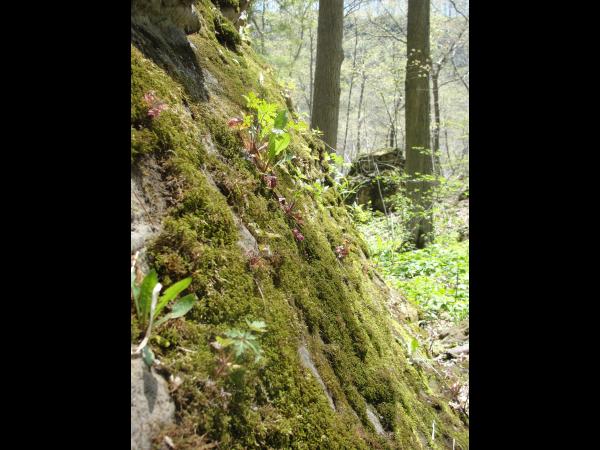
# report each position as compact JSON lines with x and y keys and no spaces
{"x":227,"y":3}
{"x":143,"y":141}
{"x":226,"y":33}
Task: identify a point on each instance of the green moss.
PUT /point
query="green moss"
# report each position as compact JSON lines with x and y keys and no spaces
{"x":226,"y":3}
{"x":142,"y":142}
{"x":135,"y":328}
{"x":226,"y":33}
{"x":303,"y":292}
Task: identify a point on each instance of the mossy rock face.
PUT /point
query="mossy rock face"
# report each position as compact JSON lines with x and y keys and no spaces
{"x":369,"y":175}
{"x":305,"y":294}
{"x":226,"y":33}
{"x":227,"y":3}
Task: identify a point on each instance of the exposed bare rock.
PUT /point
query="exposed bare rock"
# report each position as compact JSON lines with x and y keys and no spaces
{"x":158,"y":29}
{"x":151,"y":404}
{"x":247,"y":242}
{"x":374,"y":419}
{"x":235,"y":14}
{"x":308,"y":363}
{"x":178,"y":13}
{"x":148,"y":205}
{"x":364,"y":175}
{"x":460,"y":350}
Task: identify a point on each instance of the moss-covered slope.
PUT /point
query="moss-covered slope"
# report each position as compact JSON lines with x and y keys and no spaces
{"x":304,"y":293}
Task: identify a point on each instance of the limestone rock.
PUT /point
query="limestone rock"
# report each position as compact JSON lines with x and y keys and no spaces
{"x":364,"y":174}
{"x":374,"y":419}
{"x":308,"y":363}
{"x":151,"y":405}
{"x":234,"y":14}
{"x":178,"y":13}
{"x":148,"y":203}
{"x":385,"y":159}
{"x":159,"y":29}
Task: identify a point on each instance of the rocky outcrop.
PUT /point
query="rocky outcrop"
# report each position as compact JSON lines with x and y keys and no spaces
{"x":233,"y":10}
{"x":159,"y":28}
{"x":148,"y":202}
{"x":368,"y":176}
{"x":180,"y":14}
{"x":308,"y":363}
{"x":151,"y":405}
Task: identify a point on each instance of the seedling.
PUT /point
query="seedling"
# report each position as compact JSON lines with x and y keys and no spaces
{"x":266,"y":135}
{"x":149,"y":305}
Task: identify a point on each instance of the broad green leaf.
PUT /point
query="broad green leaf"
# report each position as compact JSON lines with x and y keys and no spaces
{"x":248,"y":119}
{"x":173,"y":291}
{"x":146,"y":288}
{"x":180,"y":308}
{"x":239,"y":349}
{"x":148,"y":355}
{"x":281,"y":119}
{"x":234,"y":333}
{"x":414,"y":345}
{"x":252,"y":101}
{"x":277,"y":143}
{"x":252,"y":347}
{"x":241,"y":346}
{"x":224,"y":342}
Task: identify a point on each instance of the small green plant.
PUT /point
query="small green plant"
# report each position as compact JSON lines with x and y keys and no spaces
{"x":148,"y":305}
{"x":266,"y":136}
{"x":236,"y":344}
{"x":342,"y":184}
{"x":317,"y":188}
{"x":245,"y":341}
{"x":360,"y":214}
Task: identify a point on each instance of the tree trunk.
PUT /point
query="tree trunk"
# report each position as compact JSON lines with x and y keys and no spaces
{"x":418,"y":147}
{"x":449,"y":163}
{"x":326,"y":99}
{"x":435,"y":90}
{"x":301,"y":39}
{"x":311,"y":75}
{"x":359,"y":119}
{"x":352,"y":74}
{"x":262,"y":34}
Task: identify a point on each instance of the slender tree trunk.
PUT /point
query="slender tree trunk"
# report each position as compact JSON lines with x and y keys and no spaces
{"x":449,"y":162}
{"x":351,"y":84}
{"x":301,"y":45}
{"x":297,"y":54}
{"x":418,"y":147}
{"x":435,"y":90}
{"x":391,"y":135}
{"x":262,"y":34}
{"x":359,"y":119}
{"x":311,"y":74}
{"x":397,"y":108}
{"x":326,"y":100}
{"x":252,"y":17}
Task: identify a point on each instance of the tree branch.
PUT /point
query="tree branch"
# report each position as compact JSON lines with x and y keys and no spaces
{"x":459,"y":11}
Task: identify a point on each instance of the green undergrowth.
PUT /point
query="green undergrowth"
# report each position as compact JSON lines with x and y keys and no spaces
{"x":301,"y":289}
{"x":435,"y":278}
